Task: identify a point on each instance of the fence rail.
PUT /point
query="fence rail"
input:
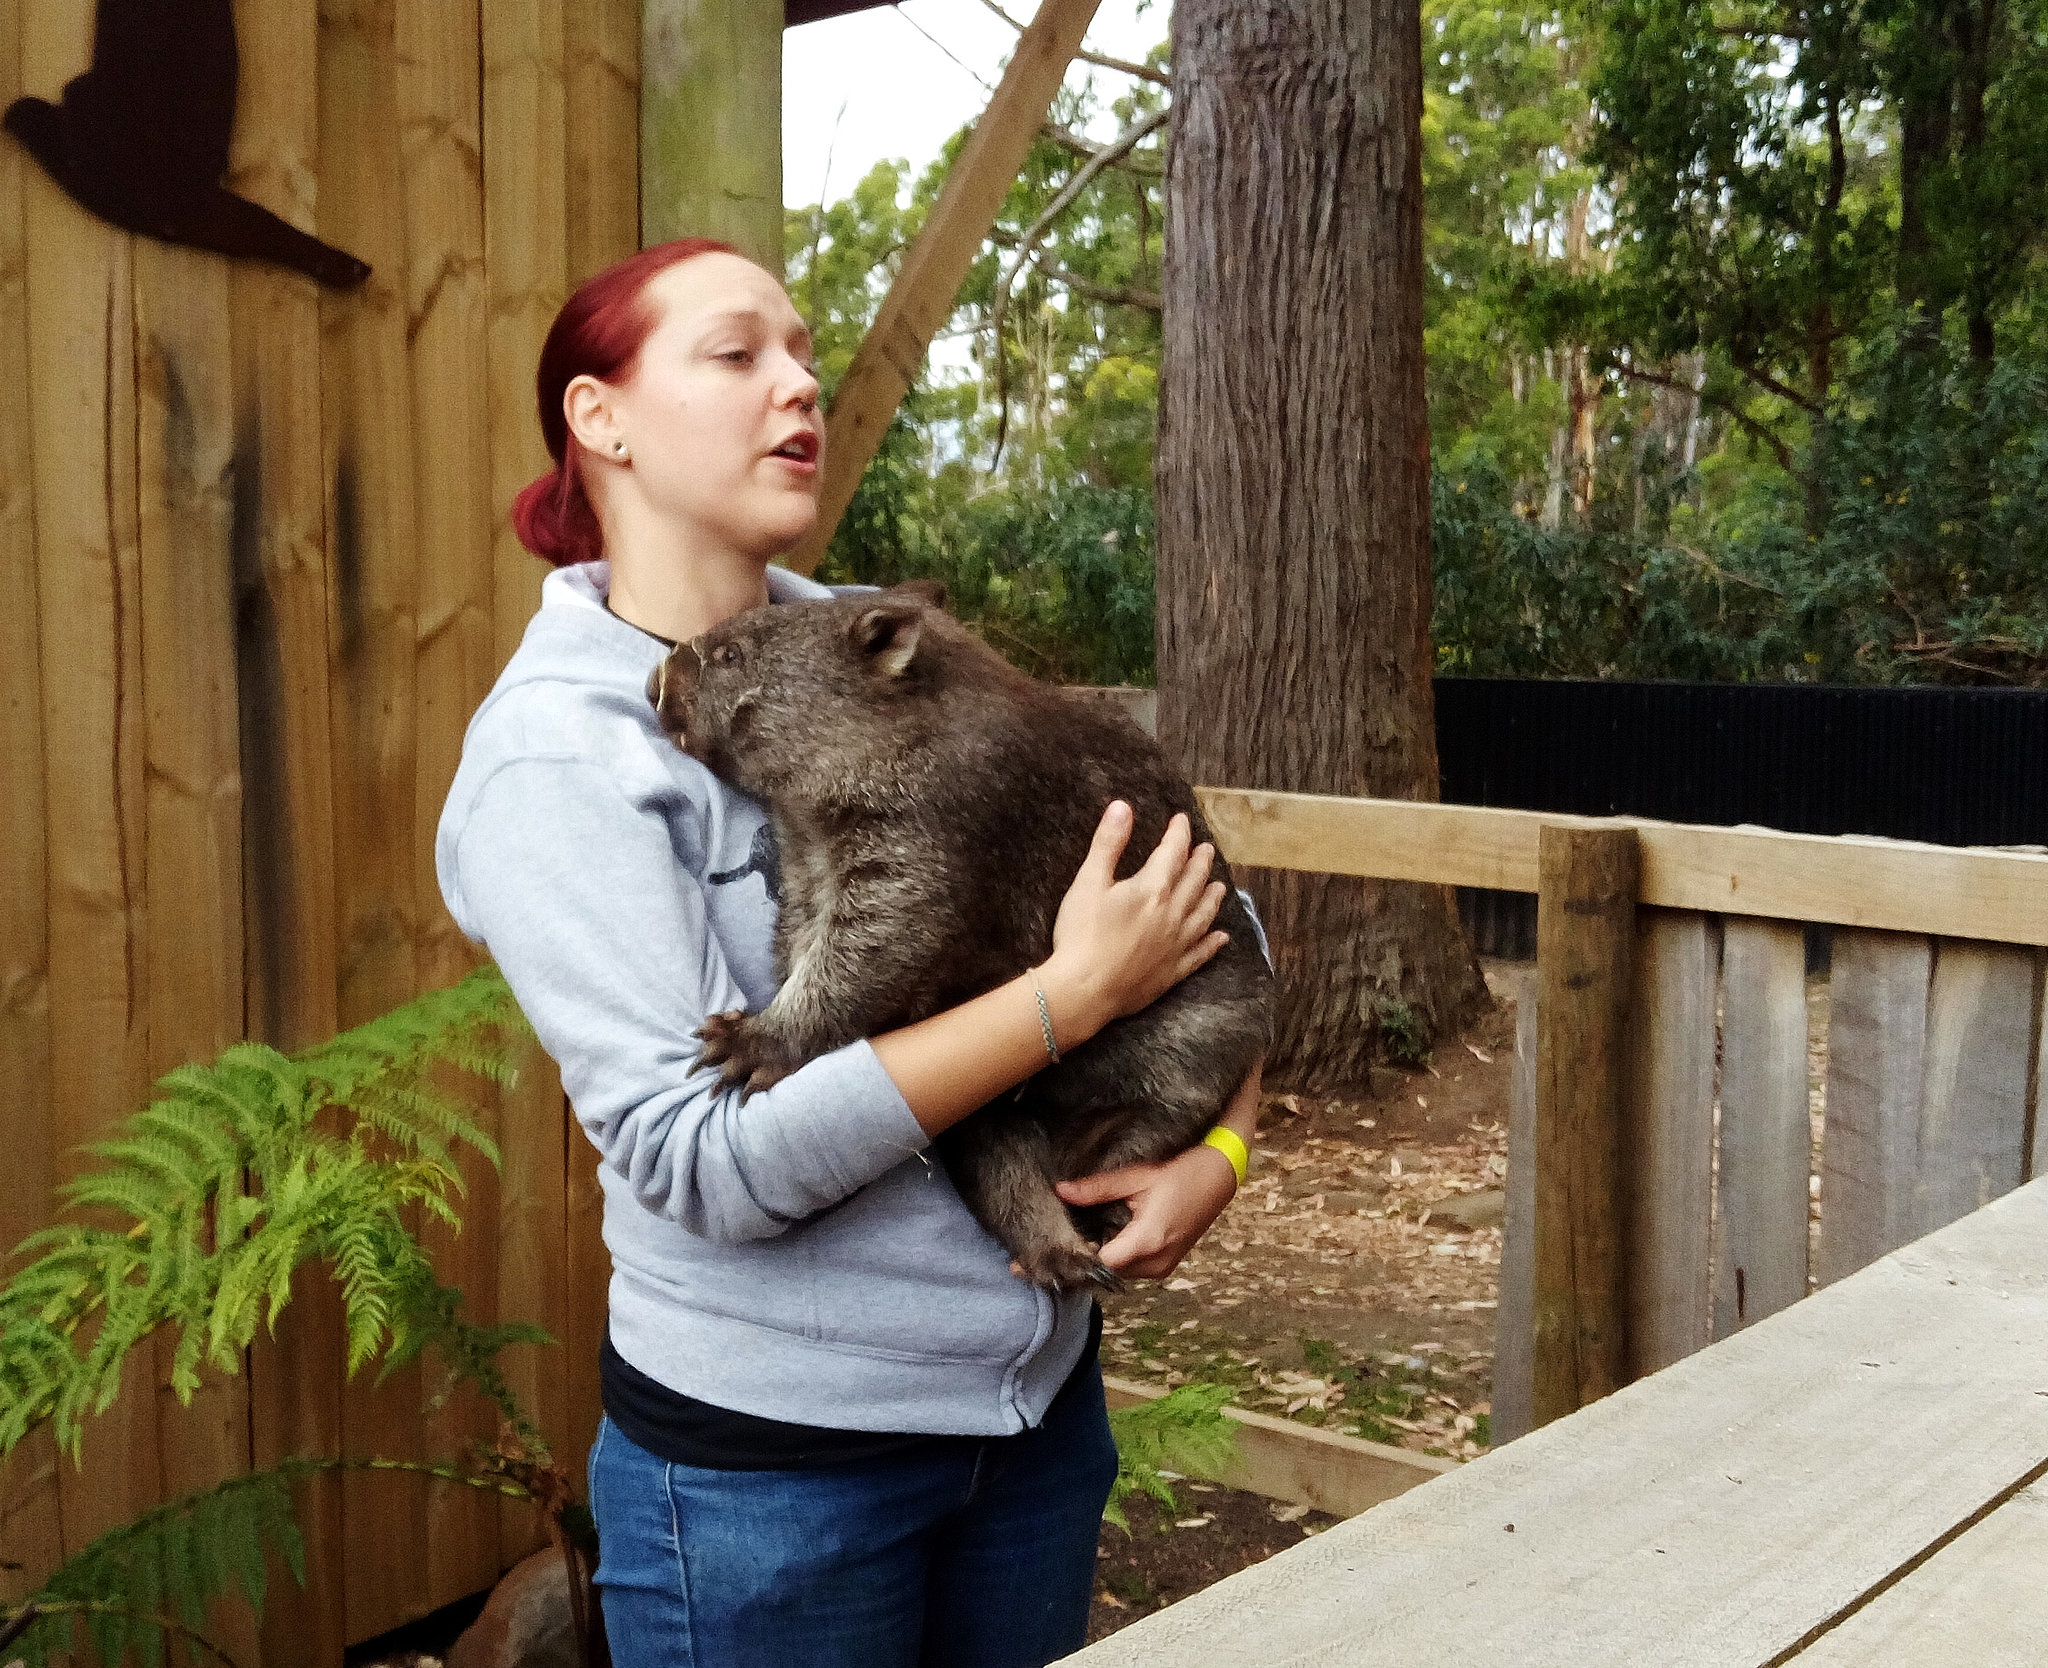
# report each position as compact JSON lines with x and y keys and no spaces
{"x":1662,"y":1172}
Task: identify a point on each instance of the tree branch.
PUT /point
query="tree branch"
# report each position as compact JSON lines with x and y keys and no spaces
{"x":1067,"y":139}
{"x":1027,"y":245}
{"x":1760,"y":431}
{"x":1770,"y":384}
{"x":1144,"y":72}
{"x":1115,"y":295}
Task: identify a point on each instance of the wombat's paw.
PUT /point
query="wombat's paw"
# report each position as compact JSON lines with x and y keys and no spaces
{"x":1067,"y":1268}
{"x":742,"y":1051}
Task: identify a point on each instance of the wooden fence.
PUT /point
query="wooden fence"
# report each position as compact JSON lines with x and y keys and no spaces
{"x":254,"y":543}
{"x":1661,"y":1158}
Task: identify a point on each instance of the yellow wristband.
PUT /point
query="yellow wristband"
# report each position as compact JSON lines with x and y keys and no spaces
{"x":1231,"y":1145}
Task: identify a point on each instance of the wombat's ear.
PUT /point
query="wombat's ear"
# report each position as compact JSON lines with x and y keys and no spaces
{"x":887,"y":636}
{"x":929,"y":591}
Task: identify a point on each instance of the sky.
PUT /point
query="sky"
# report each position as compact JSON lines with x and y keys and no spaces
{"x":881,"y":83}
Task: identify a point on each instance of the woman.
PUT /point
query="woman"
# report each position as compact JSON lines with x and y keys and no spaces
{"x":838,"y":1429}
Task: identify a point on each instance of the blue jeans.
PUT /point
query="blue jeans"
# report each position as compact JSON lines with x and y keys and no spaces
{"x":981,"y":1555}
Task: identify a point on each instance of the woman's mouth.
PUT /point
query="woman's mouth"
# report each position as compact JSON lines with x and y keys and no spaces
{"x":799,"y":452}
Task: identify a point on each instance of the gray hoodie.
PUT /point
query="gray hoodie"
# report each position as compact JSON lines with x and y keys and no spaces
{"x":798,"y":1257}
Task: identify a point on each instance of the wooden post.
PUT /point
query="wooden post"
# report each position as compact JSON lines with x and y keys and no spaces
{"x":921,"y":298}
{"x":711,"y":124}
{"x":1585,"y":934}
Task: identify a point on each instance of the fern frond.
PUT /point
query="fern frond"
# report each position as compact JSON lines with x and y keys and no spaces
{"x":229,"y":1181}
{"x":1183,"y":1431}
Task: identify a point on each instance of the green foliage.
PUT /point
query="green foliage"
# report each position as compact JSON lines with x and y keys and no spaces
{"x":1060,"y":579}
{"x":1183,"y":1431}
{"x":1404,"y":1038}
{"x":155,"y":1578}
{"x":204,"y":1204}
{"x":159,"y":1573}
{"x":196,"y":1217}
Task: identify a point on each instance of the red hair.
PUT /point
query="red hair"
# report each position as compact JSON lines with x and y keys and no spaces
{"x":599,"y":332}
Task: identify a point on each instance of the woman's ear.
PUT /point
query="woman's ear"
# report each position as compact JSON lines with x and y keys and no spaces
{"x":588,"y":410}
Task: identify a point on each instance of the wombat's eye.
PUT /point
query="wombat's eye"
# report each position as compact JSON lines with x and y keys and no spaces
{"x":726,"y":654}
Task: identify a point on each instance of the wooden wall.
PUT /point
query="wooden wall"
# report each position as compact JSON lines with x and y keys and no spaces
{"x":258,"y":573}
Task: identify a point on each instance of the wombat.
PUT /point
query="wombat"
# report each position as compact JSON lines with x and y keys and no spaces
{"x":932,"y":805}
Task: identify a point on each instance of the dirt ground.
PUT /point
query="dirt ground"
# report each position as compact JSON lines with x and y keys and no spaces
{"x":1352,"y":1284}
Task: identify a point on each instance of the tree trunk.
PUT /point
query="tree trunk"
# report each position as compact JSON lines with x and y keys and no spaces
{"x":1293,"y":487}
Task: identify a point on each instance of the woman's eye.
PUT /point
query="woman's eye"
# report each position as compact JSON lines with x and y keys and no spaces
{"x":738,"y":356}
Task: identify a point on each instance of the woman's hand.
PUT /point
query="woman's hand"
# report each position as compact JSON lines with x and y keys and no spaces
{"x":1118,"y":944}
{"x":1172,"y":1204}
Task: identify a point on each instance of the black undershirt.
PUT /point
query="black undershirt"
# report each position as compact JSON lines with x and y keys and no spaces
{"x":685,"y":1431}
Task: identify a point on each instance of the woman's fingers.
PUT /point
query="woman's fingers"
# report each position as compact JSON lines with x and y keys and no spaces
{"x":1163,"y":867}
{"x":1106,"y":1185}
{"x":1112,"y":834}
{"x":1194,"y":876}
{"x":1201,"y":953}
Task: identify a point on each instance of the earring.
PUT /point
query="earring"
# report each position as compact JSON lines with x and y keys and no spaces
{"x":619,"y":448}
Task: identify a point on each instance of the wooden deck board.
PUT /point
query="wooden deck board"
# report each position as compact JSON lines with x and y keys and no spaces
{"x":1979,"y":1602}
{"x":1714,"y":1514}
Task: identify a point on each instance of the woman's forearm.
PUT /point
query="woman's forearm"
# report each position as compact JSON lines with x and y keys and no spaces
{"x":954,"y":1061}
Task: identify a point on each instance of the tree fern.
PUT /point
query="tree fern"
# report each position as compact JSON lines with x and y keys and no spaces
{"x":1184,"y":1431}
{"x":155,"y":1578}
{"x":202,"y":1206}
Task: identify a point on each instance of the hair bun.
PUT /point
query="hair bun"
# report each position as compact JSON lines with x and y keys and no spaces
{"x":554,"y":520}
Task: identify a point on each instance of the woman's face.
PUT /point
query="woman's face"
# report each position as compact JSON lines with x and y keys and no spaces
{"x":720,"y":415}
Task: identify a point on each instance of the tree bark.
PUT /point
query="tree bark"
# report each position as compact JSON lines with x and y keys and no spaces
{"x":1293,"y":486}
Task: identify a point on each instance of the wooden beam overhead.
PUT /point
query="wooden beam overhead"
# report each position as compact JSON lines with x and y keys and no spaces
{"x":921,"y":298}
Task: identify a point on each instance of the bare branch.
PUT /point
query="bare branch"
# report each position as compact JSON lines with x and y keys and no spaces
{"x":1114,"y":294}
{"x":1067,"y":139}
{"x":1757,"y":430}
{"x":1144,"y":72}
{"x":1028,"y":244}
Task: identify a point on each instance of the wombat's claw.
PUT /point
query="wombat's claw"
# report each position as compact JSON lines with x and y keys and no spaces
{"x":1068,"y":1269}
{"x":744,"y":1056}
{"x":1107,"y":1278}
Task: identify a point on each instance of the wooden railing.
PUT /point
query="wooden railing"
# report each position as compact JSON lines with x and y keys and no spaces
{"x":1661,"y":1160}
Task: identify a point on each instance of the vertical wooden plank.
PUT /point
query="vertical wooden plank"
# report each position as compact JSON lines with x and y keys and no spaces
{"x":82,"y":405}
{"x":1870,"y":1143}
{"x":526,"y":228}
{"x":281,"y":576}
{"x":1973,"y":1106}
{"x":31,"y":1528}
{"x":440,"y":111}
{"x":1585,"y":932}
{"x":1766,"y":1130}
{"x":1668,"y":1138}
{"x":603,"y":55}
{"x":711,"y":124}
{"x":602,"y":65}
{"x":1515,"y":1319}
{"x":368,"y":433}
{"x":192,"y":861}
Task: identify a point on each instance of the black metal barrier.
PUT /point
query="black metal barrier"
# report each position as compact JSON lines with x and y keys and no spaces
{"x":1952,"y":766}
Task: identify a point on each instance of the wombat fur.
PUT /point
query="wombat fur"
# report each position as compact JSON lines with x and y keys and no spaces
{"x":932,"y":805}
